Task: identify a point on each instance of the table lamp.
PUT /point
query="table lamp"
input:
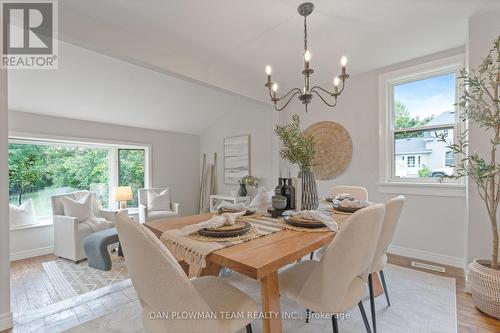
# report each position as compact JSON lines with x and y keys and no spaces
{"x":123,"y":194}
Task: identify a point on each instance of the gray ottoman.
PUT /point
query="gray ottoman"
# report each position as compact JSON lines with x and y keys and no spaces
{"x":96,"y":248}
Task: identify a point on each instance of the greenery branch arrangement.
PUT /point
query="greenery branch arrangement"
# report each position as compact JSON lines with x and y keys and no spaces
{"x":250,"y":181}
{"x":480,"y":104}
{"x":298,"y":148}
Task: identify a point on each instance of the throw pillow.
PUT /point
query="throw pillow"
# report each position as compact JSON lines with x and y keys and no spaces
{"x":81,"y":209}
{"x":159,"y":202}
{"x":23,"y":215}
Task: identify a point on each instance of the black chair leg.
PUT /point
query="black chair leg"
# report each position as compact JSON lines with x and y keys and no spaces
{"x":372,"y":303}
{"x":382,"y":277}
{"x":308,"y":314}
{"x":311,"y":257}
{"x":335,"y":325}
{"x":365,"y":319}
{"x":249,"y":328}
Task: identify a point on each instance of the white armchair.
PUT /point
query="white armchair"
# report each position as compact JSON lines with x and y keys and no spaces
{"x":69,"y":233}
{"x":146,"y":214}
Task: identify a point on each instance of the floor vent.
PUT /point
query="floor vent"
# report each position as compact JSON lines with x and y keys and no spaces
{"x":428,"y":266}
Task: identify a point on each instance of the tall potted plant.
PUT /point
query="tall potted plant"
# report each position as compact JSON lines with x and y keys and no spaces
{"x":298,"y":148}
{"x":480,"y":104}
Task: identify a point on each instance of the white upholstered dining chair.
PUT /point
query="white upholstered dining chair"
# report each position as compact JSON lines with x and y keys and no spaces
{"x":163,"y":287}
{"x":393,"y":209}
{"x":358,"y":192}
{"x":337,"y":282}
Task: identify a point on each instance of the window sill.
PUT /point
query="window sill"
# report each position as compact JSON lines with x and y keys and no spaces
{"x":429,"y":189}
{"x":41,"y":222}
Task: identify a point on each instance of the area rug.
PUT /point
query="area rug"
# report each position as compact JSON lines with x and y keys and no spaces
{"x":71,"y":279}
{"x":421,"y":303}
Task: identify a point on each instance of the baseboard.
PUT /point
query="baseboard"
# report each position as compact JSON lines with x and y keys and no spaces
{"x":31,"y":253}
{"x":6,"y":321}
{"x":427,"y":256}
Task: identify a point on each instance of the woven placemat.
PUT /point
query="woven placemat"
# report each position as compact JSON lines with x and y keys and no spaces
{"x":251,"y":234}
{"x":285,"y":225}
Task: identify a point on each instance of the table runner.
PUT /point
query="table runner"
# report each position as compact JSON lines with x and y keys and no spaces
{"x":194,"y":252}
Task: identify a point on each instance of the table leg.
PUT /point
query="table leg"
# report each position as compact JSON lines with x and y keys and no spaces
{"x":377,"y":286}
{"x":270,"y":296}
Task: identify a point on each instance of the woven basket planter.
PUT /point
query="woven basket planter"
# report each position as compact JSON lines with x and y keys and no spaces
{"x":485,"y":285}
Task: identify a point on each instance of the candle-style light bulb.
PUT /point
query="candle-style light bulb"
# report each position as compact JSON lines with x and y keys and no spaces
{"x":343,"y":61}
{"x":275,"y":87}
{"x":307,"y":56}
{"x":336,"y":81}
{"x":268,"y":70}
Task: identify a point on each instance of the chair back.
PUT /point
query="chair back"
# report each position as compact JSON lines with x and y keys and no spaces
{"x":143,"y":194}
{"x":346,"y":259}
{"x":160,"y":282}
{"x":358,"y":192}
{"x":57,"y":205}
{"x":393,"y":209}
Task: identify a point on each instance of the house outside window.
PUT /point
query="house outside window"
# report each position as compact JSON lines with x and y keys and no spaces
{"x":449,"y":159}
{"x":417,"y":105}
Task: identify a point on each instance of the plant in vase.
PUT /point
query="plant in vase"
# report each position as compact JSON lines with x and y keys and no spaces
{"x":247,"y":181}
{"x":299,"y":148}
{"x":480,"y":104}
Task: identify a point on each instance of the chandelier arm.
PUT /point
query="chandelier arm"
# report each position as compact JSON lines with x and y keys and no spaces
{"x":297,"y":91}
{"x":326,"y":91}
{"x":289,"y":100}
{"x":324,"y":100}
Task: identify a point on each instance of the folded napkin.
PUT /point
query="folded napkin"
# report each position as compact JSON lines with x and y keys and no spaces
{"x":215,"y":222}
{"x":315,"y":215}
{"x":227,"y":205}
{"x":352,"y":203}
{"x":343,"y":196}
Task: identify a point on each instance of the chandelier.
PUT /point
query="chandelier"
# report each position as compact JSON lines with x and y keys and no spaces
{"x":305,"y":95}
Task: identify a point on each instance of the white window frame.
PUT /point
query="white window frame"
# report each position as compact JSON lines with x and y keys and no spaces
{"x":388,"y":183}
{"x":112,"y":146}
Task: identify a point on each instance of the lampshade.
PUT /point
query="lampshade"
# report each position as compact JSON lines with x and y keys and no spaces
{"x":123,"y":193}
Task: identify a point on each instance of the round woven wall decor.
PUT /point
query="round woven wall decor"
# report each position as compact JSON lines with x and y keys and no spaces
{"x":333,"y":149}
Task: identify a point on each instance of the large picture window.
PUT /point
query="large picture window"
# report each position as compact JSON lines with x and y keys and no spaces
{"x":417,"y":106}
{"x":39,"y":169}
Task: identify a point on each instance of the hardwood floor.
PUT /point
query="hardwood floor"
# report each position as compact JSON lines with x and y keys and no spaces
{"x":32,"y":292}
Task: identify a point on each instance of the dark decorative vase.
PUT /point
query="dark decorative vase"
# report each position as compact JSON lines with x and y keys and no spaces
{"x":310,"y":199}
{"x":290,"y":192}
{"x":242,"y":192}
{"x":279,"y":190}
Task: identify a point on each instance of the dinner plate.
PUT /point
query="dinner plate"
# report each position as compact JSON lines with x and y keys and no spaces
{"x":303,"y":223}
{"x":237,"y":229}
{"x":346,"y":209}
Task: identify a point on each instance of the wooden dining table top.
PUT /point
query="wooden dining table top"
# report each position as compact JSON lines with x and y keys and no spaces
{"x":258,"y":257}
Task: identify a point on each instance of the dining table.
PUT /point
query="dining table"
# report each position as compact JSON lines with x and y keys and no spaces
{"x":259,"y":259}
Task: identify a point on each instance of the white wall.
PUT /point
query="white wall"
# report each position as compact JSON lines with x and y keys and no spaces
{"x":5,"y":313}
{"x":253,"y":118}
{"x":175,"y":162}
{"x":483,"y":30}
{"x":430,"y":225}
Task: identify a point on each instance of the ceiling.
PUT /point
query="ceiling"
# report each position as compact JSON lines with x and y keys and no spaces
{"x":224,"y":45}
{"x":227,"y":43}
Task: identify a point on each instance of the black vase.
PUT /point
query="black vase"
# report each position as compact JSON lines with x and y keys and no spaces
{"x":287,"y":193}
{"x":290,"y":194}
{"x":279,"y":190}
{"x":242,"y":192}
